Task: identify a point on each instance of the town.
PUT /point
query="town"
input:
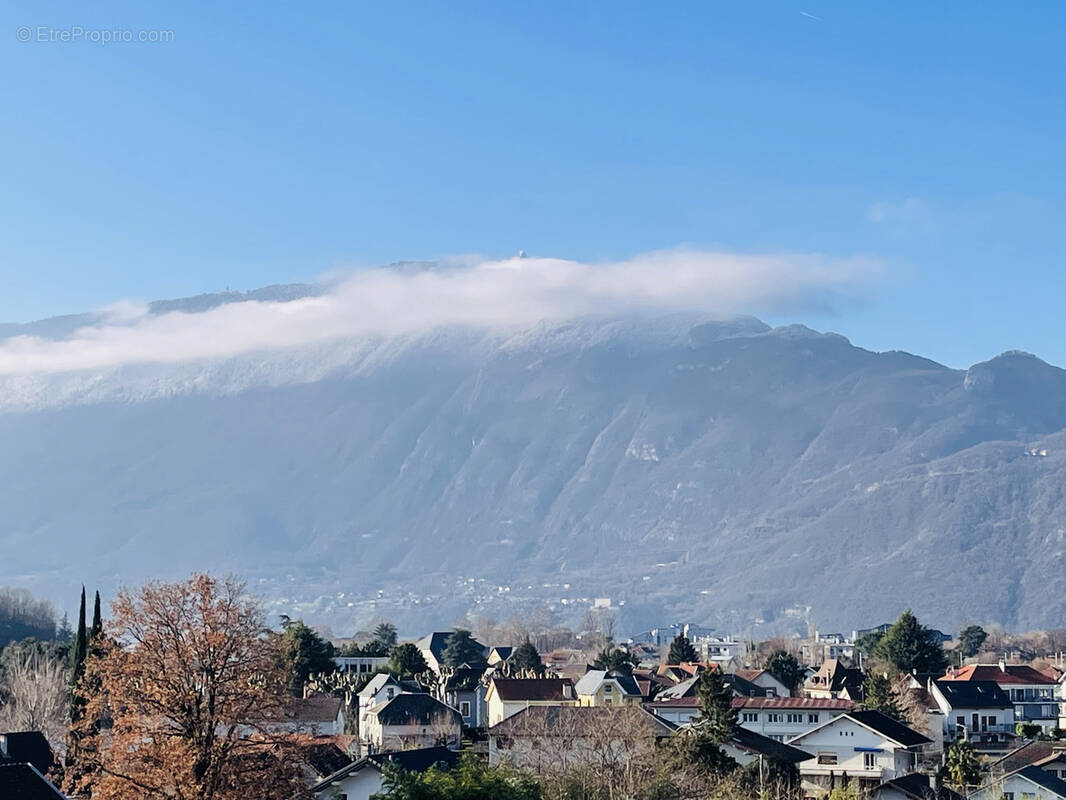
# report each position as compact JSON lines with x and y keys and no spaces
{"x":182,"y":687}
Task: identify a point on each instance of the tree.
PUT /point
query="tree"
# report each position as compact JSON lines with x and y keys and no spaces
{"x":81,"y":644}
{"x":615,"y":659}
{"x":525,"y":658}
{"x":717,"y":718}
{"x":471,"y":780}
{"x":406,"y":661}
{"x":970,"y":640}
{"x":879,"y":695}
{"x":462,"y":649}
{"x":34,"y":692}
{"x":681,"y":650}
{"x":784,"y":666}
{"x":867,"y":643}
{"x":911,"y":647}
{"x":64,"y":633}
{"x":302,"y":652}
{"x":384,"y":639}
{"x":963,"y":767}
{"x":185,"y":673}
{"x":98,"y":620}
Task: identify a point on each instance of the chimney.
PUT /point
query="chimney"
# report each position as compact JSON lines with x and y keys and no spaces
{"x":1002,"y":666}
{"x":932,"y":782}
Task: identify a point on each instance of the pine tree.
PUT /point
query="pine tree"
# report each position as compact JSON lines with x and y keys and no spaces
{"x":681,"y":651}
{"x":462,"y":649}
{"x":525,"y":658}
{"x":909,"y":646}
{"x":717,"y":718}
{"x":878,"y":695}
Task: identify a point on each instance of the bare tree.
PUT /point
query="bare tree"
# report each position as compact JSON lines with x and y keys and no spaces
{"x":33,"y":694}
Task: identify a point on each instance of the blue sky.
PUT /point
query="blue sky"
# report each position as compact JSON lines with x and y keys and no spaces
{"x":279,"y":141}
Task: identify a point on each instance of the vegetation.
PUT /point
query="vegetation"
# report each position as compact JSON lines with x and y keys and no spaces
{"x":962,"y":767}
{"x":908,"y":646}
{"x":302,"y":653}
{"x":525,"y":658}
{"x":971,"y":638}
{"x":785,"y":667}
{"x":681,"y":651}
{"x":880,"y":695}
{"x":22,"y":616}
{"x":616,"y":659}
{"x":406,"y":661}
{"x":196,"y":670}
{"x":462,"y":650}
{"x":384,"y":639}
{"x":471,"y":780}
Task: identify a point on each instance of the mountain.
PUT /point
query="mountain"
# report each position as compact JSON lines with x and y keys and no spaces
{"x":695,"y":467}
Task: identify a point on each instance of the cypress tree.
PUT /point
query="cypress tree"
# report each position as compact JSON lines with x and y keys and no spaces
{"x":81,"y":644}
{"x":98,"y":620}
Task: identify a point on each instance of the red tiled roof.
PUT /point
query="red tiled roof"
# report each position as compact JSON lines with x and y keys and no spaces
{"x":812,"y":703}
{"x":793,"y":702}
{"x":1015,"y":674}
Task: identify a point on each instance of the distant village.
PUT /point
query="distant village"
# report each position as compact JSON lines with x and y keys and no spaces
{"x":890,"y":712}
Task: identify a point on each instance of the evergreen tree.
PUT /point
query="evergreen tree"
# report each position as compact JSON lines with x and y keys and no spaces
{"x":615,"y":659}
{"x":717,"y":718}
{"x":911,"y":647}
{"x":681,"y":650}
{"x":784,"y":666}
{"x":971,"y":638}
{"x":64,"y":633}
{"x":462,"y":649}
{"x":879,"y":696}
{"x":406,"y":661}
{"x":81,"y":644}
{"x":302,"y":653}
{"x":525,"y":658}
{"x":98,"y":620}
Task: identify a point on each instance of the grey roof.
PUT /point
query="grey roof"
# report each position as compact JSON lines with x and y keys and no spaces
{"x":414,"y":709}
{"x":376,"y":684}
{"x":567,"y":720}
{"x":679,"y":690}
{"x":743,"y":687}
{"x":436,"y":642}
{"x":888,"y":727}
{"x":753,"y":742}
{"x":591,"y":680}
{"x":1043,"y":779}
{"x":974,"y":694}
{"x":917,"y":786}
{"x":24,"y":782}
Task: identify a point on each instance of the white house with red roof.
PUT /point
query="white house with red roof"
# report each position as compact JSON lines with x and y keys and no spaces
{"x":1031,"y":691}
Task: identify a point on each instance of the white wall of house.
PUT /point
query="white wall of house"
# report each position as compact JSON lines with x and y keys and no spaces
{"x":367,"y":704}
{"x":385,"y":738}
{"x":1013,"y":787}
{"x":784,"y":724}
{"x":846,"y":746}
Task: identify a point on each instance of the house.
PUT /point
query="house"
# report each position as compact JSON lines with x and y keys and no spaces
{"x":1030,"y":690}
{"x":23,"y":781}
{"x":827,"y":646}
{"x":28,"y":747}
{"x":747,"y":746}
{"x":913,"y":787}
{"x":317,"y":715}
{"x":508,"y":696}
{"x":719,"y":650}
{"x":412,"y":721}
{"x":560,"y":737}
{"x":1028,"y":783}
{"x":360,"y":665}
{"x":363,"y":778}
{"x":499,"y":655}
{"x":1049,"y":756}
{"x":869,"y":746}
{"x":464,"y":689}
{"x":432,"y":649}
{"x":765,"y":680}
{"x":834,"y":680}
{"x":598,"y":687}
{"x":380,"y":689}
{"x":978,"y":711}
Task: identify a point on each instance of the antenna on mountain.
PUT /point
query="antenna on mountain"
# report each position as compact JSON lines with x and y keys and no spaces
{"x":522,"y":254}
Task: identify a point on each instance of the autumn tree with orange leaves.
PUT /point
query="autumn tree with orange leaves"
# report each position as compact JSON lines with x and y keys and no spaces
{"x":182,"y":682}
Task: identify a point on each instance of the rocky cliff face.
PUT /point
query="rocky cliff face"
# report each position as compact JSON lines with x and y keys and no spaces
{"x":715,"y":470}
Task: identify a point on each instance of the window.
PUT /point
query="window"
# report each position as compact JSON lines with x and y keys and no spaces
{"x":795,"y":719}
{"x":869,"y":760}
{"x":464,"y":708}
{"x":812,"y":719}
{"x":828,"y":759}
{"x":1008,"y":796}
{"x":607,"y":688}
{"x":389,"y":692}
{"x":773,"y":717}
{"x":749,"y":716}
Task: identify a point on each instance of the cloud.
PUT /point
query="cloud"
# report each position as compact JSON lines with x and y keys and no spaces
{"x":486,"y":294}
